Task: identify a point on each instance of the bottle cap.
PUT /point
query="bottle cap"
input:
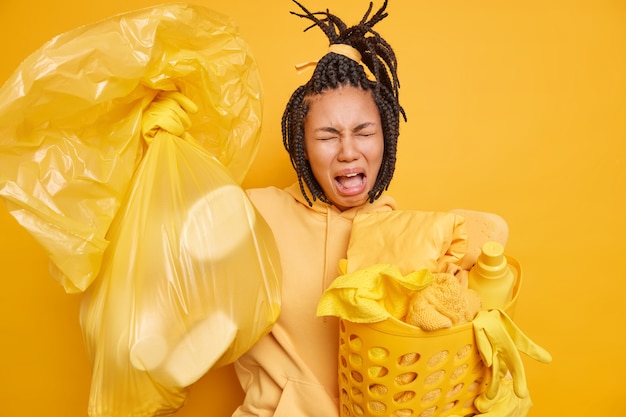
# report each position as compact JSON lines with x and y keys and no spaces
{"x":491,"y":262}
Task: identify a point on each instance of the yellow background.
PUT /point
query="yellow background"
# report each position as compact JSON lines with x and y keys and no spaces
{"x":515,"y":107}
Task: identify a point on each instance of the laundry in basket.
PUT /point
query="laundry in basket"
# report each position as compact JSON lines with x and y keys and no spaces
{"x":388,"y":367}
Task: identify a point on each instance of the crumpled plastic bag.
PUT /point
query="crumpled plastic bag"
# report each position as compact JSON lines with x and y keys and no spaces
{"x":70,"y":120}
{"x":122,"y":147}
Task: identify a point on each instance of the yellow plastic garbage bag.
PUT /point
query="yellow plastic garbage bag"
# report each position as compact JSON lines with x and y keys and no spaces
{"x":190,"y":280}
{"x":70,"y":119}
{"x":122,"y":146}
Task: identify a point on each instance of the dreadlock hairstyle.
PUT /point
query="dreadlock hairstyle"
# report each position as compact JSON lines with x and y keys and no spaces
{"x":335,"y":70}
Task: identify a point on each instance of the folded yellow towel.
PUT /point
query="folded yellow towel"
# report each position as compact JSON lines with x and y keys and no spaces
{"x":411,"y":240}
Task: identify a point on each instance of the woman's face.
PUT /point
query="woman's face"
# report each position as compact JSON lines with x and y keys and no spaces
{"x":344,"y":144}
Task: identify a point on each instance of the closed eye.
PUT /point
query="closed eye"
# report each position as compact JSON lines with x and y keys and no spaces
{"x":327,"y":133}
{"x":365,"y":129}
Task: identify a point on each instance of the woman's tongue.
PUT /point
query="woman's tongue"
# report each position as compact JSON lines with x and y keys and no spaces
{"x":350,"y":183}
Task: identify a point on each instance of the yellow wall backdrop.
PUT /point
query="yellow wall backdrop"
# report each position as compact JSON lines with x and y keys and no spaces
{"x":515,"y":107}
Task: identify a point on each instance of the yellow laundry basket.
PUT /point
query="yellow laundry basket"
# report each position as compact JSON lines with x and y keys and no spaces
{"x":393,"y":369}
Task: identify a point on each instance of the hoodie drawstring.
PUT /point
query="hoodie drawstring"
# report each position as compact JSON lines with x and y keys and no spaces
{"x":326,"y":249}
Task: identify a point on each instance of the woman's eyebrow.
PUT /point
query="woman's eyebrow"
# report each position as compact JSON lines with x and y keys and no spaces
{"x":327,"y":129}
{"x":362,"y":126}
{"x":330,"y":129}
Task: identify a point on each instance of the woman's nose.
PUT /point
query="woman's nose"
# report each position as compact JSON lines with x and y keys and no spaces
{"x":348,"y":150}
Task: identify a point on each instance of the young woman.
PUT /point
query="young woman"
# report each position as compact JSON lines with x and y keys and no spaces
{"x":341,"y":130}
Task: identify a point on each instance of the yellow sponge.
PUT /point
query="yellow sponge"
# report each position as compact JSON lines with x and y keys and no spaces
{"x":481,"y":227}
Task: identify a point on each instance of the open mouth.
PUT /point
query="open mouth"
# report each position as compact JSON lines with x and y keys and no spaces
{"x":350,"y":181}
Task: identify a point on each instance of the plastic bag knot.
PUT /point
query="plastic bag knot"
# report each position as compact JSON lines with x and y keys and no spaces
{"x":169,"y":112}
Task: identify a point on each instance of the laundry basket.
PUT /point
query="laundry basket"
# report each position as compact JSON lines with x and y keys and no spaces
{"x":393,"y":369}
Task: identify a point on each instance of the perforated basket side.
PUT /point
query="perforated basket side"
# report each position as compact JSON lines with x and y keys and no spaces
{"x":393,"y":369}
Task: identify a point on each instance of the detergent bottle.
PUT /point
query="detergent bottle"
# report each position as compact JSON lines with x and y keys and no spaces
{"x":492,"y":277}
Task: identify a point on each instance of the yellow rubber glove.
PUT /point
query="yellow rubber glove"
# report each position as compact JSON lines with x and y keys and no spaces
{"x":169,"y":111}
{"x":505,"y":403}
{"x":499,"y":341}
